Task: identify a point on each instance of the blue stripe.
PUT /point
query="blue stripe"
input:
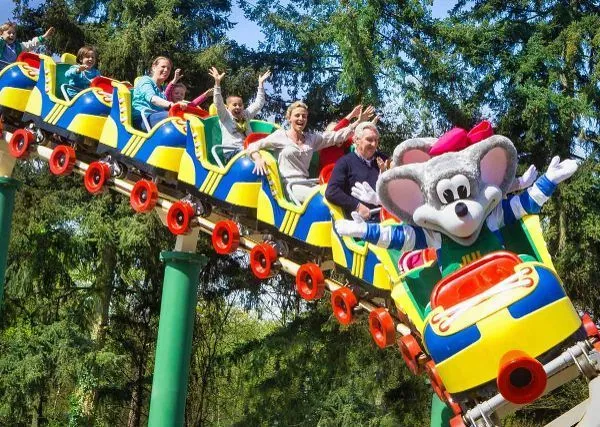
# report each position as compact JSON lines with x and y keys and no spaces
{"x":546,"y":292}
{"x":420,"y":240}
{"x":442,"y":347}
{"x":545,"y":185}
{"x":373,"y":233}
{"x":508,"y":214}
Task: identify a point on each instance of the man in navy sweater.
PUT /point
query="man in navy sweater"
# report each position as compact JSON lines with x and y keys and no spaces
{"x":360,"y":166}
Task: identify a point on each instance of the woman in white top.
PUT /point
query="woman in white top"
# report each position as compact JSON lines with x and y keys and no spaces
{"x":294,"y":148}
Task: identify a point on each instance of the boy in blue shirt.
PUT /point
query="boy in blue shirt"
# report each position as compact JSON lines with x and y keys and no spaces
{"x":10,"y":47}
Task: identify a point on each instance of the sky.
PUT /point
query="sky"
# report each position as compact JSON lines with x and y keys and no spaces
{"x":244,"y":32}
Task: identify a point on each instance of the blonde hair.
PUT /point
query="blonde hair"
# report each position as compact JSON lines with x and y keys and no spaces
{"x":84,"y":50}
{"x":4,"y":27}
{"x":159,"y":58}
{"x":293,"y":106}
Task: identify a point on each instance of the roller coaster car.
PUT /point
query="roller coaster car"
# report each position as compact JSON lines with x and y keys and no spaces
{"x":491,"y":319}
{"x":50,"y":108}
{"x":375,"y":267}
{"x":156,"y":152}
{"x":17,"y":80}
{"x":309,"y":222}
{"x":202,"y":170}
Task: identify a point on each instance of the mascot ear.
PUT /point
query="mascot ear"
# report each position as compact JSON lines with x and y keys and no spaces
{"x":414,"y":150}
{"x":497,"y":161}
{"x":399,"y":190}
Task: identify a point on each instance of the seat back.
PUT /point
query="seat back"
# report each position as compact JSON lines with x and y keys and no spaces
{"x":61,"y":69}
{"x":260,"y":126}
{"x":30,"y":58}
{"x":474,"y":278}
{"x":68,"y":58}
{"x":525,"y":238}
{"x":212,"y":135}
{"x":103,"y":83}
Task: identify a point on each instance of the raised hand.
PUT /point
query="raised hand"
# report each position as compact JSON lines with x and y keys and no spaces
{"x":177,"y":76}
{"x":49,"y":32}
{"x":214,"y":73}
{"x":366,"y":114}
{"x":363,"y":192}
{"x":355,"y":112}
{"x":559,"y":171}
{"x":263,"y":77}
{"x":82,"y":68}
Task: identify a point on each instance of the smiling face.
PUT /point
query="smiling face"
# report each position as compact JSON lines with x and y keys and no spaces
{"x":10,"y":35}
{"x":367,"y":144}
{"x":89,"y":59}
{"x":178,"y":94}
{"x":298,"y":118}
{"x":235,"y":105}
{"x":161,"y":70}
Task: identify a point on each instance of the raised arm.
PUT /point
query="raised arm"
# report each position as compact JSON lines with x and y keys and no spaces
{"x":217,"y":96}
{"x":254,"y":108}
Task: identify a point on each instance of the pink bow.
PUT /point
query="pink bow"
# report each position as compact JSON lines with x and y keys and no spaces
{"x":457,"y":139}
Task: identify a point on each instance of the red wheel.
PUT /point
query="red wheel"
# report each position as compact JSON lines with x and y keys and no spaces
{"x":62,"y":160}
{"x":382,"y":327}
{"x":179,"y":217}
{"x":262,"y":257}
{"x":20,"y":143}
{"x":410,"y":351}
{"x":343,"y":302}
{"x":457,"y":421}
{"x":455,"y":407}
{"x":96,"y":176}
{"x":143,"y":196}
{"x":591,"y":329}
{"x":435,"y":380}
{"x":225,"y":237}
{"x":310,"y":282}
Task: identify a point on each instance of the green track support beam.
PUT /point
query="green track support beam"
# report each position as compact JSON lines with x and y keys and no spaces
{"x":8,"y":188}
{"x":174,"y":344}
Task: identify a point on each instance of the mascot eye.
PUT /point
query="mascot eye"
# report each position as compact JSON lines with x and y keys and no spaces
{"x":446,"y":191}
{"x":448,"y":196}
{"x":463,"y":188}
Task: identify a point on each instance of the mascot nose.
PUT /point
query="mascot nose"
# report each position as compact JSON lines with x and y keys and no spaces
{"x":461,"y":209}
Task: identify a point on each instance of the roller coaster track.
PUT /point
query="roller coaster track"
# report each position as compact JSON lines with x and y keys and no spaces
{"x":581,"y":359}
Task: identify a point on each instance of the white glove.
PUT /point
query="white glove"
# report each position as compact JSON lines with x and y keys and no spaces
{"x":356,"y":228}
{"x":364,"y":193}
{"x":559,"y":171}
{"x":526,"y":180}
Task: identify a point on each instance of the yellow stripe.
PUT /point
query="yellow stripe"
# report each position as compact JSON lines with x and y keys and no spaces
{"x":61,"y":111}
{"x":49,"y":115}
{"x":361,"y":266}
{"x":294,"y":224}
{"x":284,"y":222}
{"x":354,"y":263}
{"x":137,"y":145}
{"x":131,"y":141}
{"x":206,"y":182}
{"x":213,"y":177}
{"x":216,"y":183}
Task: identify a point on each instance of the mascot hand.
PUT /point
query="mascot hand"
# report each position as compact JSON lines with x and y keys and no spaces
{"x":559,"y":171}
{"x":364,"y":193}
{"x":356,"y":228}
{"x":527,"y":179}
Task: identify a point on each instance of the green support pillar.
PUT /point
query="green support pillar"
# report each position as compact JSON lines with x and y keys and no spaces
{"x":8,"y":188}
{"x":440,"y":413}
{"x":174,"y":344}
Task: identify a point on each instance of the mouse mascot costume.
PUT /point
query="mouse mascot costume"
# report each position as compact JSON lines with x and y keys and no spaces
{"x":452,"y":195}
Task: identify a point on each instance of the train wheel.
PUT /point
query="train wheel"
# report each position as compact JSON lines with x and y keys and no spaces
{"x":410,"y":351}
{"x":310,"y":282}
{"x":62,"y":160}
{"x":179,"y":217}
{"x":457,"y":421}
{"x":435,"y":380}
{"x":20,"y":143}
{"x":343,"y":302}
{"x":143,"y":196}
{"x":455,"y":407}
{"x":96,"y":176}
{"x":225,"y":237}
{"x":591,"y":329}
{"x":382,"y":327}
{"x":262,"y":257}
